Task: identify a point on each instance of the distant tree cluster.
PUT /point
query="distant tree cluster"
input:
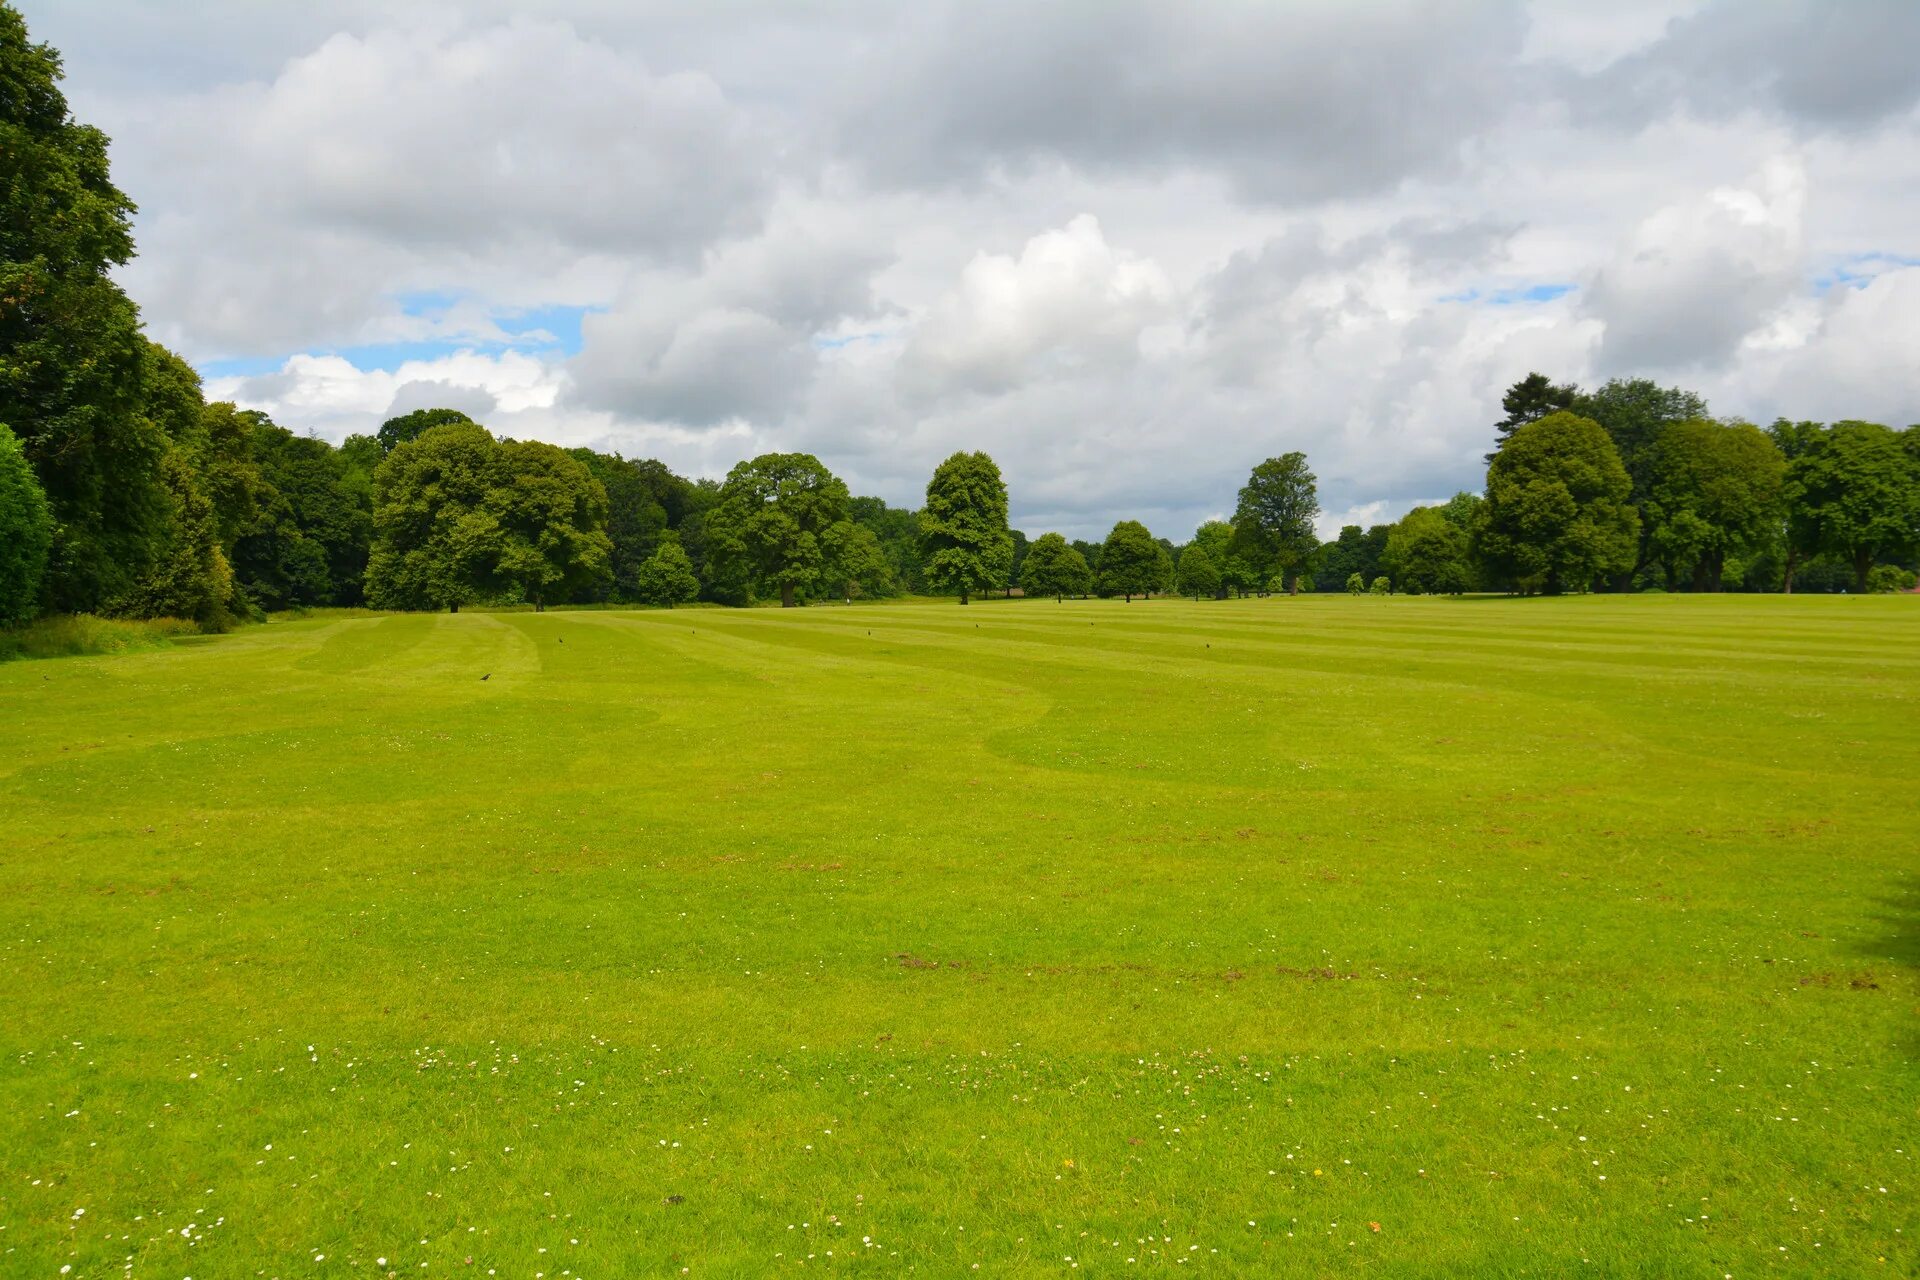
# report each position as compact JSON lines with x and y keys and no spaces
{"x":122,"y":491}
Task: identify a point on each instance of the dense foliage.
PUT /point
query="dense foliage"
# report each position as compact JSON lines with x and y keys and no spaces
{"x":26,"y":533}
{"x":964,"y":541}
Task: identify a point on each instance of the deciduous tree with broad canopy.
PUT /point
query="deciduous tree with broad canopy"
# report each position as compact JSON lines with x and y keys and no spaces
{"x":72,"y":361}
{"x":1854,"y":493}
{"x":459,"y":516}
{"x":667,"y":575}
{"x":1130,"y":561}
{"x":781,"y":521}
{"x":1557,"y":514}
{"x":1273,"y":523}
{"x":1199,"y":575}
{"x":550,"y":520}
{"x":1053,"y":567}
{"x":1428,"y":554}
{"x":1713,"y":490}
{"x":964,"y":543}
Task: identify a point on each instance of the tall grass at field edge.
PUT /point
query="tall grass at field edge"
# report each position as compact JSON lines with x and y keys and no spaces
{"x":83,"y":634}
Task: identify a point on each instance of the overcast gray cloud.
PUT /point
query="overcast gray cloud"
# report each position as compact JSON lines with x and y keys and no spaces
{"x":1128,"y":248}
{"x":1827,"y":64}
{"x":1298,"y":102}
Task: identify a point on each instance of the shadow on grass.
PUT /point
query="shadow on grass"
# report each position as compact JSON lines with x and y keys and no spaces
{"x":1897,"y":939}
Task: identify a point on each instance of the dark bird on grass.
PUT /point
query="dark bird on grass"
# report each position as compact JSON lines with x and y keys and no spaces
{"x":487,"y":676}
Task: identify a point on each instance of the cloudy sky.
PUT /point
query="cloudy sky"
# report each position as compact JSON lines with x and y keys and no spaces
{"x":1129,"y":249}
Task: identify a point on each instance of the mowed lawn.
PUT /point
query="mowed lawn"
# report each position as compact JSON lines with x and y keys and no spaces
{"x":1323,"y":936}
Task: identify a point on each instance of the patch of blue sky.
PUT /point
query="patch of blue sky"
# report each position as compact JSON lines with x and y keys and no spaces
{"x":553,"y":330}
{"x":835,"y":341}
{"x":1858,"y":270}
{"x":1512,"y":295}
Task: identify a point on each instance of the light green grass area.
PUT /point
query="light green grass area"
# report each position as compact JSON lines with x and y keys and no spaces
{"x":1553,"y":937}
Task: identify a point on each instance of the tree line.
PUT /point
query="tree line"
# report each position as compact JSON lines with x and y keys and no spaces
{"x":1633,"y":486}
{"x":124,"y":492}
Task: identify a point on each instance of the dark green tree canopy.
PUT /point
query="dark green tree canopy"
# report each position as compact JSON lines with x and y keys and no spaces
{"x":636,"y":518}
{"x":1055,"y":568}
{"x":1199,"y":575}
{"x":1428,"y":554}
{"x":72,"y":361}
{"x":1854,"y":493}
{"x":780,"y":521}
{"x":409,"y":426}
{"x":667,"y":577}
{"x":432,"y":529}
{"x":897,"y":531}
{"x":1273,"y":523}
{"x":1130,"y":561}
{"x":1713,"y":490}
{"x":26,"y":534}
{"x":964,"y":543}
{"x":1529,"y":400}
{"x":550,"y":518}
{"x":309,"y":544}
{"x":1557,"y":513}
{"x":1634,"y":412}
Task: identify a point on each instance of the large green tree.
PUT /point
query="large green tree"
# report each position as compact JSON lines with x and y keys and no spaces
{"x":1714,"y":490}
{"x":1273,"y":523}
{"x":667,"y":576}
{"x":1557,"y":514}
{"x":1215,"y":537}
{"x":1131,"y":561}
{"x":550,"y":517}
{"x":780,"y":521}
{"x":1428,"y":554}
{"x":1054,"y":568}
{"x":433,"y":533}
{"x":1199,"y":575}
{"x":26,"y":533}
{"x":1853,"y":492}
{"x":1634,"y":412}
{"x":964,"y":542}
{"x":72,"y":361}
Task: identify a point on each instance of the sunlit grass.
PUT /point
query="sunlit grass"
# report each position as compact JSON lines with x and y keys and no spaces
{"x":1548,"y":937}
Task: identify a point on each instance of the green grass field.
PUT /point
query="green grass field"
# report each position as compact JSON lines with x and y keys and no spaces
{"x":1327,"y":936}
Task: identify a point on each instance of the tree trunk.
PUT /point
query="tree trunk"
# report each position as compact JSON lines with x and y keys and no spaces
{"x":1701,"y":570}
{"x":1129,"y":597}
{"x":453,"y":607}
{"x":786,"y":595}
{"x":963,"y":596}
{"x":1862,"y":562}
{"x":1793,"y":560}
